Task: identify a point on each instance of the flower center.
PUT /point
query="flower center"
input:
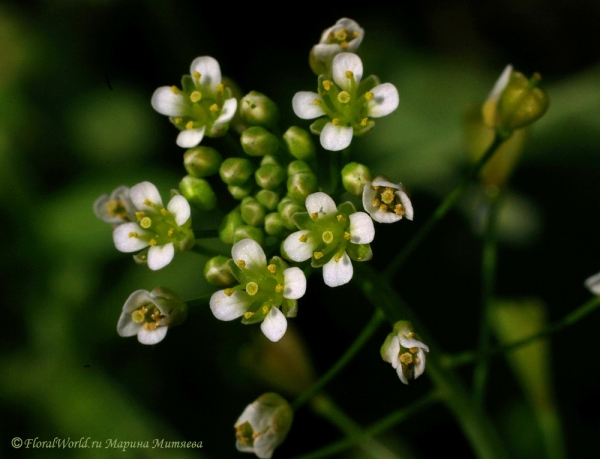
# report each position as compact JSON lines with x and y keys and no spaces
{"x":116,"y":208}
{"x":149,"y":316}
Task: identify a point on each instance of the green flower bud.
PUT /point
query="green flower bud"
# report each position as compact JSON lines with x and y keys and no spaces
{"x":239,"y":192}
{"x":217,"y":272}
{"x":235,"y":171}
{"x":247,"y":231}
{"x":287,"y":208}
{"x":271,"y":159}
{"x":298,"y":166}
{"x":202,"y":161}
{"x":354,"y":177}
{"x":256,"y":109}
{"x":230,"y":223}
{"x":302,"y":184}
{"x":253,"y":212}
{"x":273,"y":224}
{"x":198,"y":192}
{"x":299,"y":143}
{"x":269,"y":176}
{"x":268,"y":198}
{"x":257,"y":141}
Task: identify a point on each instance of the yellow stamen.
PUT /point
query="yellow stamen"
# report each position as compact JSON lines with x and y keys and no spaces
{"x":164,"y":211}
{"x":327,"y":237}
{"x":375,"y":202}
{"x":241,"y":263}
{"x":272,"y":268}
{"x":341,"y":35}
{"x":317,"y":102}
{"x":346,"y":235}
{"x":356,"y":34}
{"x":171,"y":232}
{"x":327,"y":85}
{"x":374,"y":187}
{"x":383,"y":208}
{"x":264,"y":309}
{"x":248,"y":314}
{"x":314,"y":215}
{"x":252,"y":288}
{"x":152,"y":242}
{"x":413,"y":350}
{"x":220,"y":87}
{"x":344,"y":97}
{"x":410,"y":335}
{"x":399,"y":209}
{"x":175,"y":90}
{"x":150,"y":326}
{"x":340,"y":218}
{"x":364,"y":121}
{"x":349,"y":74}
{"x":279,"y":288}
{"x":369,"y":95}
{"x":196,"y":75}
{"x":133,"y":234}
{"x":214,"y":108}
{"x":337,"y":258}
{"x":145,"y":222}
{"x":335,"y":121}
{"x":303,"y":238}
{"x":228,"y":291}
{"x":406,"y":358}
{"x":140,"y":215}
{"x":196,"y":96}
{"x":344,"y":45}
{"x":178,"y":120}
{"x":318,"y":255}
{"x":189,"y":125}
{"x":147,"y":202}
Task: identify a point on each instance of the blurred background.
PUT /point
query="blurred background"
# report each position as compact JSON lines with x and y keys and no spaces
{"x":76,"y":122}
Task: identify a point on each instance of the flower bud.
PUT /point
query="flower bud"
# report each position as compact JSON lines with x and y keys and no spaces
{"x":269,"y":176}
{"x":239,"y":192}
{"x":230,"y":223}
{"x":218,"y":273}
{"x":257,"y":141}
{"x":249,"y":232}
{"x":354,"y":177}
{"x":199,"y":192}
{"x":263,"y":425}
{"x":253,"y":213}
{"x":202,"y":161}
{"x":268,"y":198}
{"x":298,"y":166}
{"x":273,"y":224}
{"x":256,"y":109}
{"x":302,"y":184}
{"x":299,"y":143}
{"x":404,"y":350}
{"x":287,"y":208}
{"x":235,"y":171}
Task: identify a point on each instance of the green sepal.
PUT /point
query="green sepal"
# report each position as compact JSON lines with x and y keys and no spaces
{"x":359,"y":130}
{"x":281,"y":266}
{"x":188,"y":84}
{"x":346,"y":208}
{"x":304,"y":221}
{"x":289,"y":307}
{"x":359,"y":252}
{"x":318,"y":125}
{"x":368,"y":83}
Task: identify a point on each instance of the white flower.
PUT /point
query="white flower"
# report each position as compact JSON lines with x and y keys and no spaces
{"x":149,"y":314}
{"x":347,"y":104}
{"x":405,"y":352}
{"x":163,"y":230}
{"x":593,"y":284}
{"x":203,"y":107}
{"x":263,"y":425}
{"x":262,"y":290}
{"x":385,"y":201}
{"x":116,"y":208}
{"x":345,"y":36}
{"x":331,"y":235}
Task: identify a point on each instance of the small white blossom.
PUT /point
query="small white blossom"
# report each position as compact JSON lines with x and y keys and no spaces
{"x":385,"y":201}
{"x":149,"y":314}
{"x":163,"y":230}
{"x":203,"y":107}
{"x":405,"y":352}
{"x":116,"y":208}
{"x":263,"y":425}
{"x":345,"y":36}
{"x":346,"y":105}
{"x":263,"y":289}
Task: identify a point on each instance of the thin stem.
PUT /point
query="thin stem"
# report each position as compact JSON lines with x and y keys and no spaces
{"x":443,"y":208}
{"x":570,"y":319}
{"x":200,"y":301}
{"x":208,"y":251}
{"x":488,"y":270}
{"x":358,"y":343}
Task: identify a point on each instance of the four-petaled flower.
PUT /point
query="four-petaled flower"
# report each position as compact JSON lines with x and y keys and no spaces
{"x":405,"y":352}
{"x":163,"y":230}
{"x":345,"y":36}
{"x":263,"y":425}
{"x":385,"y":201}
{"x":263,"y":289}
{"x":204,"y":106}
{"x":116,"y":208}
{"x":149,"y":314}
{"x":331,"y":235}
{"x":346,"y":105}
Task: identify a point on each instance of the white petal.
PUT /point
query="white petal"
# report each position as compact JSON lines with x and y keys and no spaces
{"x":274,"y":325}
{"x":189,"y":138}
{"x":401,"y":374}
{"x":145,"y":191}
{"x":420,"y":366}
{"x":250,"y":252}
{"x":385,"y":100}
{"x":341,"y":64}
{"x":409,"y":343}
{"x":325,"y":51}
{"x":392,"y":351}
{"x":124,"y":242}
{"x":593,"y":283}
{"x":160,"y":256}
{"x":320,"y":203}
{"x":152,"y":336}
{"x":126,"y":326}
{"x":298,"y":250}
{"x":381,"y":180}
{"x":362,"y":230}
{"x":230,"y":307}
{"x":405,"y":200}
{"x":180,"y":208}
{"x":335,"y":138}
{"x":166,"y":102}
{"x":501,"y":83}
{"x":136,"y":300}
{"x":210,"y":72}
{"x":227,"y":112}
{"x":294,"y":283}
{"x":304,"y":105}
{"x":336,"y":273}
{"x":265,"y":444}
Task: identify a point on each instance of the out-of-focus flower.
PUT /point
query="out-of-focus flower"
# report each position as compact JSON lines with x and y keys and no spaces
{"x":593,"y":284}
{"x":403,"y":349}
{"x":163,"y":230}
{"x":331,"y":235}
{"x":116,"y":208}
{"x":385,"y":201}
{"x":204,"y":106}
{"x":345,"y":36}
{"x":263,"y":425}
{"x":345,"y":104}
{"x":149,"y":314}
{"x":262,"y":290}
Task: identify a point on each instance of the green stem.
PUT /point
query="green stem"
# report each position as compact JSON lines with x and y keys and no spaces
{"x":358,"y":343}
{"x":378,"y":427}
{"x":570,"y":319}
{"x":207,"y":251}
{"x":200,"y":301}
{"x":488,"y":269}
{"x":477,"y":427}
{"x":444,"y":207}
